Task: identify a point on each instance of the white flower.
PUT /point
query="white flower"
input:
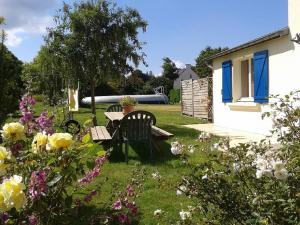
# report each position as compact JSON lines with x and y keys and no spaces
{"x":250,"y":153}
{"x":176,"y":148}
{"x":181,"y":189}
{"x":214,"y":147}
{"x":281,"y":174}
{"x":185,"y":215}
{"x":156,"y":175}
{"x":191,"y":148}
{"x":278,"y":165}
{"x":236,"y":167}
{"x":204,"y":136}
{"x":259,"y":174}
{"x":204,"y":177}
{"x":157,"y":212}
{"x":261,"y":163}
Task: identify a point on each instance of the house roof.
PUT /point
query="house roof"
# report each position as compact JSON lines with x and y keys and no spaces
{"x":277,"y":34}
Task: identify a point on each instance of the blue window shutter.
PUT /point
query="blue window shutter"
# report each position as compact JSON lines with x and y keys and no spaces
{"x":227,"y":81}
{"x":261,"y":76}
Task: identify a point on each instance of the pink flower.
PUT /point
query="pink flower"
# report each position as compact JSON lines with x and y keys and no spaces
{"x":32,"y":220}
{"x":90,"y":176}
{"x":38,"y":184}
{"x":130,"y":190}
{"x":117,"y":205}
{"x":124,"y":219}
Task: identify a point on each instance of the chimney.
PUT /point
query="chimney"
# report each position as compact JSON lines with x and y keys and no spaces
{"x":294,"y":16}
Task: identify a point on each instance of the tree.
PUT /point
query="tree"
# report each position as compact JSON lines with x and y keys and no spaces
{"x":10,"y":82}
{"x":44,"y":75}
{"x":96,"y":41}
{"x":201,"y":68}
{"x":170,"y":70}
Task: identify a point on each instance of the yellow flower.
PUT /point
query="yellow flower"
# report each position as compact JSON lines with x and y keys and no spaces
{"x":60,"y":140}
{"x":39,"y":142}
{"x":4,"y":154}
{"x":12,"y":194}
{"x":13,"y":131}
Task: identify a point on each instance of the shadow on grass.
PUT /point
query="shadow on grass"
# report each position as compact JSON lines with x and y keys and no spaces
{"x":140,"y":151}
{"x":91,"y":214}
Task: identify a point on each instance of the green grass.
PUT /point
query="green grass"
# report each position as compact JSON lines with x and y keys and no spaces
{"x":155,"y":194}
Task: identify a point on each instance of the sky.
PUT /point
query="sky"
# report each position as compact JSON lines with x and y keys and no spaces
{"x":178,"y":29}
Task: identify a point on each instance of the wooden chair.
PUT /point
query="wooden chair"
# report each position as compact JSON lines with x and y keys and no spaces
{"x":136,"y":126}
{"x":114,"y":108}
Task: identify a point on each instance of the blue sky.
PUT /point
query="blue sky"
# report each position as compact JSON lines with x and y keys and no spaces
{"x":178,"y":29}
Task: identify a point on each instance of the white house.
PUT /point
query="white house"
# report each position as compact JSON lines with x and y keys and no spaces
{"x":185,"y":74}
{"x":244,"y":76}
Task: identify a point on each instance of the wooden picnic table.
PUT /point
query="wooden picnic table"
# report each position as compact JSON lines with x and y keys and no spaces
{"x":115,"y":120}
{"x":114,"y":116}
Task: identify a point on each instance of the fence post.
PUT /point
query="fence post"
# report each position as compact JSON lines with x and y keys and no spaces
{"x":193,"y":97}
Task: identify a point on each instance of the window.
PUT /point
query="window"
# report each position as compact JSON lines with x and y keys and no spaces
{"x":247,"y":80}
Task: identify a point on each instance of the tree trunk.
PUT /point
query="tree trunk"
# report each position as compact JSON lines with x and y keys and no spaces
{"x":93,"y":104}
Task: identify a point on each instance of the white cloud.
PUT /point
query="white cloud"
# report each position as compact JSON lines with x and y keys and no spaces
{"x":179,"y":64}
{"x":26,"y":18}
{"x":12,"y":38}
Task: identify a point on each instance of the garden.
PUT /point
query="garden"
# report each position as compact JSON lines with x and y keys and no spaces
{"x":50,"y":176}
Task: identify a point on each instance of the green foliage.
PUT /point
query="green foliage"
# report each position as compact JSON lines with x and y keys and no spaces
{"x":170,"y":70}
{"x":255,"y":183}
{"x":96,"y":41}
{"x":174,"y":96}
{"x":44,"y":75}
{"x":10,"y":85}
{"x":201,"y":68}
{"x":127,"y":101}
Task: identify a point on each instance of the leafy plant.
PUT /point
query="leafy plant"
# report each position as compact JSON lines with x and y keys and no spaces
{"x":127,"y":101}
{"x":255,"y":183}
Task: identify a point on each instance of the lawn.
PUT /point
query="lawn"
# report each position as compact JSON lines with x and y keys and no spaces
{"x":154,"y":194}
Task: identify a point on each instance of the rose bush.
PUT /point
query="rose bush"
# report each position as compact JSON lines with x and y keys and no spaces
{"x":42,"y":170}
{"x":255,"y":183}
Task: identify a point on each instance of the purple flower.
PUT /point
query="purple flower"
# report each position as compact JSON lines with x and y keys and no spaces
{"x":131,"y":207}
{"x":15,"y":149}
{"x":100,"y":160}
{"x":45,"y":122}
{"x":32,"y":220}
{"x":4,"y":217}
{"x":123,"y":218}
{"x":38,"y":184}
{"x":130,"y":190}
{"x":90,"y":176}
{"x":117,"y":205}
{"x":90,"y":196}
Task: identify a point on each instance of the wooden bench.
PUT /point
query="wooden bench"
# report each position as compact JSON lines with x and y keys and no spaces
{"x":100,"y":133}
{"x":159,"y":133}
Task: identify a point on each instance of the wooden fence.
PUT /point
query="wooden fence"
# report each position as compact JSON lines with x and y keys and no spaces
{"x":196,"y":98}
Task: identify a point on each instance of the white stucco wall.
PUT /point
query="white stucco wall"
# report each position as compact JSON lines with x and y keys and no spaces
{"x":284,"y":76}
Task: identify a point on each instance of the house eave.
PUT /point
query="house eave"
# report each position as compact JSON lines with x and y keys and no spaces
{"x":274,"y":35}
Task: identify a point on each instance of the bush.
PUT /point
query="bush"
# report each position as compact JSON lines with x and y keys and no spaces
{"x":10,"y":82}
{"x":174,"y":96}
{"x":39,"y":98}
{"x":254,"y":183}
{"x":38,"y":167}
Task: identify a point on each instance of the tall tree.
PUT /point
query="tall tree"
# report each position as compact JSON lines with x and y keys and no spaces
{"x":10,"y":82}
{"x":201,"y":68}
{"x":97,"y":40}
{"x":170,"y":70}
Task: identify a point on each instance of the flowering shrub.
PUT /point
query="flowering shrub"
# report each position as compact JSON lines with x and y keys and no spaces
{"x":41,"y":170}
{"x":254,"y":183}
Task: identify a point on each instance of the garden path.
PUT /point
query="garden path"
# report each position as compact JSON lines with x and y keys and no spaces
{"x":236,"y":136}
